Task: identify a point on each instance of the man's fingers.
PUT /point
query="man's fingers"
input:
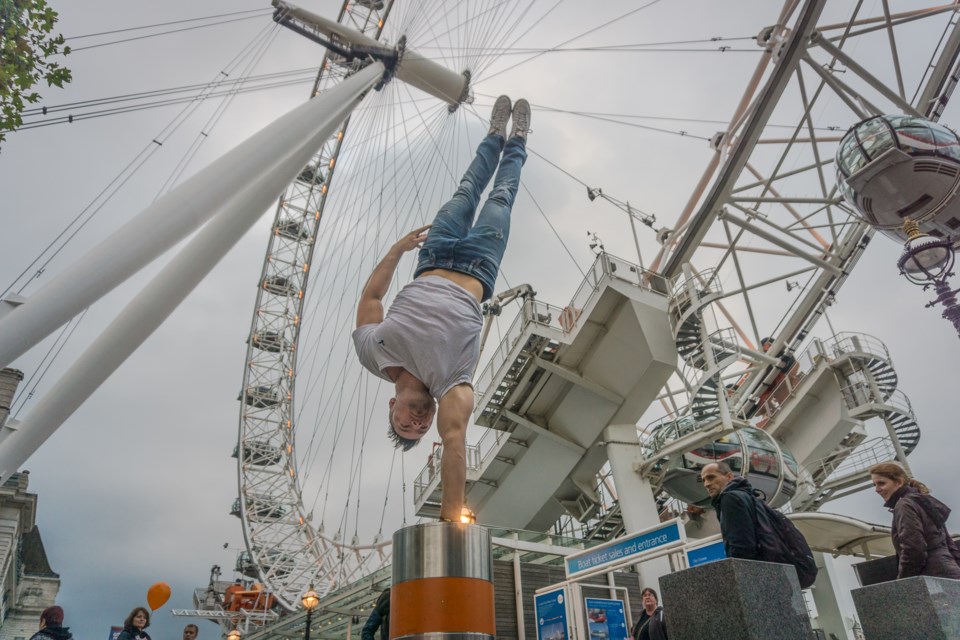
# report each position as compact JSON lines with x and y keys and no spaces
{"x":421,"y":230}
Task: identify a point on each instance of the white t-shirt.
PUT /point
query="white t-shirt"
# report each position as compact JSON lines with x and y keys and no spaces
{"x":432,"y":330}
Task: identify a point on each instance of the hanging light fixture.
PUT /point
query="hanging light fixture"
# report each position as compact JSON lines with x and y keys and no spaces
{"x":928,"y":261}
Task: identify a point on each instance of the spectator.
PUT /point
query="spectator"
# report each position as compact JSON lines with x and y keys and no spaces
{"x":134,"y":625}
{"x":379,"y":619}
{"x":732,"y":497}
{"x":51,"y":625}
{"x":190,"y":632}
{"x":650,"y":625}
{"x":920,"y":537}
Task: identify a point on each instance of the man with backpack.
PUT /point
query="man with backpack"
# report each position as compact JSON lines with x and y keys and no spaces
{"x":752,"y":529}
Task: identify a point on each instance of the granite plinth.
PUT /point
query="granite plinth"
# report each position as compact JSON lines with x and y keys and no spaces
{"x":735,"y":600}
{"x":919,"y":608}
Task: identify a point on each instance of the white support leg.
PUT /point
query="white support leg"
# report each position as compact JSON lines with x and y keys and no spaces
{"x":175,"y":216}
{"x":236,"y":214}
{"x":637,"y":506}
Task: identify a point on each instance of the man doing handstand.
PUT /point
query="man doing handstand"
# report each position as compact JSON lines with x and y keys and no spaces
{"x":428,"y":343}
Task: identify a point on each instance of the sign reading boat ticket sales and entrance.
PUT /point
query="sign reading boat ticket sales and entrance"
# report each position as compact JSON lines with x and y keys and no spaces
{"x":629,"y":548}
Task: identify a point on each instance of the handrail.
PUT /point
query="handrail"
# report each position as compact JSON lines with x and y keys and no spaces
{"x":858,"y":459}
{"x":839,"y":345}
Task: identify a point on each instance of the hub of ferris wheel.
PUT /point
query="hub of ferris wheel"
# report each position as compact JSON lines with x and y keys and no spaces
{"x":352,"y":47}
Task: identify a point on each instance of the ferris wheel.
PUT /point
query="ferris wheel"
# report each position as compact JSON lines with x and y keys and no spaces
{"x":754,"y":260}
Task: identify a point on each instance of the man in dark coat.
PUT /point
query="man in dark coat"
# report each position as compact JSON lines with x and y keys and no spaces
{"x":379,"y":619}
{"x":732,"y":497}
{"x":650,"y":625}
{"x":51,"y":625}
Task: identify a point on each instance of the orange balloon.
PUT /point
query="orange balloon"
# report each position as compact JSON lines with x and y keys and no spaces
{"x":157,"y":595}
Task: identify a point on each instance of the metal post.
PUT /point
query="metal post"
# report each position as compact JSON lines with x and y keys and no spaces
{"x":306,"y":630}
{"x":518,"y":591}
{"x":633,"y":228}
{"x":164,"y":293}
{"x":442,"y":583}
{"x":290,"y":140}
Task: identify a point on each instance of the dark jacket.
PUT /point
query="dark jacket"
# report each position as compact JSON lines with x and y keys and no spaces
{"x":379,"y":618}
{"x":736,"y":508}
{"x":920,"y":535}
{"x":52,"y":632}
{"x":130,"y":632}
{"x":650,"y":627}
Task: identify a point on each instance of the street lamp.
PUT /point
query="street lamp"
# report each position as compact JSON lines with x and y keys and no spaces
{"x":310,"y":601}
{"x":234,"y":634}
{"x":927,"y":261}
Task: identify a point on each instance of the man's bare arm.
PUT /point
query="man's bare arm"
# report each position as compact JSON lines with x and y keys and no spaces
{"x":370,"y":307}
{"x":452,"y":417}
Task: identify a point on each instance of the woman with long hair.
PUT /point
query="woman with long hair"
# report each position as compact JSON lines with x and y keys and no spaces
{"x":134,"y":625}
{"x":920,"y":537}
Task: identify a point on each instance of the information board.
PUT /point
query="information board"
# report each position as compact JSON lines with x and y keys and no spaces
{"x":606,"y":619}
{"x":705,"y":553}
{"x":551,"y":612}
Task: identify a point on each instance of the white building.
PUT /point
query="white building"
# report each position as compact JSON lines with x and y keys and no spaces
{"x":29,"y":584}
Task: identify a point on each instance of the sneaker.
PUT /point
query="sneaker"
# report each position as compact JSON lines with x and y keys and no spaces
{"x":521,"y":119}
{"x":499,"y":116}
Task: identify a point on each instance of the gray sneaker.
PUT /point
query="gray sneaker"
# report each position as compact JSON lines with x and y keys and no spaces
{"x":521,"y":119}
{"x":499,"y":116}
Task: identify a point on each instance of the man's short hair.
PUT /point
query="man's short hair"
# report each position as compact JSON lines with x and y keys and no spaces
{"x":723,"y":467}
{"x":192,"y":626}
{"x":399,"y":442}
{"x":649,"y":590}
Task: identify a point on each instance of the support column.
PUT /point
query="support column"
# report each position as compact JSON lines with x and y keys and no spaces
{"x":829,"y":616}
{"x":637,"y":505}
{"x":291,"y":139}
{"x":238,"y":211}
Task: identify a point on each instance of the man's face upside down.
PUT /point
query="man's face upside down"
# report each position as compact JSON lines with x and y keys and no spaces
{"x":411,"y":413}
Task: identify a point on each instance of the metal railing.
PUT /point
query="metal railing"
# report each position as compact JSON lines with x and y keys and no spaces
{"x":704,"y":283}
{"x":722,"y":343}
{"x":861,"y":458}
{"x":477,"y":457}
{"x":849,"y":342}
{"x":841,"y":344}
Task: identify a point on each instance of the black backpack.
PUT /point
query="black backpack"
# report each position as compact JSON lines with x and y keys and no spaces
{"x":779,"y":540}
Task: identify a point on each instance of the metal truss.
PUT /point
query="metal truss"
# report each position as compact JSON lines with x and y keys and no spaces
{"x":774,"y":198}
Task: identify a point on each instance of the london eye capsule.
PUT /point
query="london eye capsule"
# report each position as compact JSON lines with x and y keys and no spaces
{"x":894,"y":167}
{"x":749,"y":452}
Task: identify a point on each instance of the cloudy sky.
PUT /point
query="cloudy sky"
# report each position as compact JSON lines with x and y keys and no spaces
{"x":137,"y":485}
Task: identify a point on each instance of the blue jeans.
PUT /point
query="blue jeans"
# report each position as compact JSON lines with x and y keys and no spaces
{"x":454,"y":242}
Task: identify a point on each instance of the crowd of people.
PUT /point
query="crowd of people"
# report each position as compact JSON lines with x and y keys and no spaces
{"x":134,"y":626}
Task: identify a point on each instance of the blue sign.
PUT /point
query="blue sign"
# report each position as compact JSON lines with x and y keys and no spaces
{"x":617,"y":551}
{"x":114,"y":632}
{"x":551,"y":611}
{"x":606,"y":619}
{"x":706,"y":554}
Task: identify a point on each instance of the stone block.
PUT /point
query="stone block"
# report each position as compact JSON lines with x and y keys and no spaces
{"x":735,"y":600}
{"x":918,"y":608}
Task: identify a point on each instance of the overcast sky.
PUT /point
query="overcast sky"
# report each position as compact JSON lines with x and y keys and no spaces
{"x":137,"y":485}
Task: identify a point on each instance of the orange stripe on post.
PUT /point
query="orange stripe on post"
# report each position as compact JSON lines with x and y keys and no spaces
{"x":442,"y":605}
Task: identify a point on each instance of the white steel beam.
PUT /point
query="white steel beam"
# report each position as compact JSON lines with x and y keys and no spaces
{"x":168,"y":221}
{"x":289,"y":148}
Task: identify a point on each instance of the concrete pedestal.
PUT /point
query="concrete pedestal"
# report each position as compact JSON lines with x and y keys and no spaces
{"x":918,"y":608}
{"x":735,"y":600}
